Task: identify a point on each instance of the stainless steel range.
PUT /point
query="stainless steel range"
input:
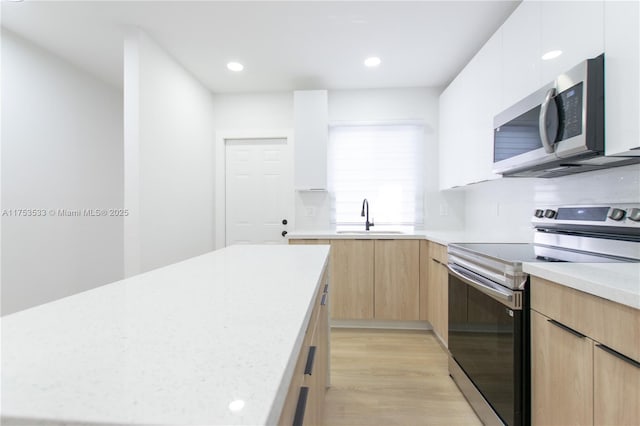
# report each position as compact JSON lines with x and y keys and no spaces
{"x":489,"y":300}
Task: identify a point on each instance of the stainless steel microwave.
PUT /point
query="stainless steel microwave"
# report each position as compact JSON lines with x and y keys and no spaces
{"x":558,"y":130}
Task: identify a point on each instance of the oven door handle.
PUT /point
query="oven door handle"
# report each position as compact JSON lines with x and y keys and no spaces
{"x":502,"y":295}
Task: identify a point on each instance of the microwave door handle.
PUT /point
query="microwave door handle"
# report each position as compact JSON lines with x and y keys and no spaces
{"x":542,"y":123}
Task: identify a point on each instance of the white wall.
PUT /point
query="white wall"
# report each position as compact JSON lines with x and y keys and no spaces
{"x":238,"y":112}
{"x":61,"y":149}
{"x":505,"y":206}
{"x":253,"y":111}
{"x":395,"y":105}
{"x":169,"y":159}
{"x":246,"y":116}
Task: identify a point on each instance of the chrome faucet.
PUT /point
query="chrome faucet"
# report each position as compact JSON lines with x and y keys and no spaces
{"x":367,"y":224}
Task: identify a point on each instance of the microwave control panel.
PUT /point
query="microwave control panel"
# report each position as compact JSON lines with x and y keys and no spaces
{"x":569,"y":104}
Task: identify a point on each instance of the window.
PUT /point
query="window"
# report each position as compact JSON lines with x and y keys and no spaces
{"x":383,"y":163}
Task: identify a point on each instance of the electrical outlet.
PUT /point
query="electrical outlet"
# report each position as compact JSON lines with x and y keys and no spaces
{"x":310,"y":211}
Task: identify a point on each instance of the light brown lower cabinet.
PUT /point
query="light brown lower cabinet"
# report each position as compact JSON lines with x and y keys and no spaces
{"x":374,"y":279}
{"x":437,"y":287}
{"x":584,"y":358}
{"x":616,"y":388}
{"x":561,"y":374}
{"x":424,"y":280}
{"x":304,"y":403}
{"x":352,"y":279}
{"x":397,"y":280}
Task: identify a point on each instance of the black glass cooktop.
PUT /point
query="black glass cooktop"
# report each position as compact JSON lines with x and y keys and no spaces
{"x":520,"y":253}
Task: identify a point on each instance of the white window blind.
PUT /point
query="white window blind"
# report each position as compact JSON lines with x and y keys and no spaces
{"x":383,"y":163}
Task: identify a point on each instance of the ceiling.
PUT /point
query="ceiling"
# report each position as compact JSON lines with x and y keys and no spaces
{"x":287,"y":45}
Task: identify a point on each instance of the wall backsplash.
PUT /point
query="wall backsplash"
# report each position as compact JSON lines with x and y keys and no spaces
{"x":504,"y":206}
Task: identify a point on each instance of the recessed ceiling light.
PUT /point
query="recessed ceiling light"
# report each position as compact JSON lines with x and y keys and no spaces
{"x":236,"y":405}
{"x":373,"y":61}
{"x":552,"y":54}
{"x":235,"y":66}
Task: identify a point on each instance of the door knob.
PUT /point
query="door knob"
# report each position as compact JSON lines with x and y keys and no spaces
{"x":284,"y":221}
{"x":284,"y":233}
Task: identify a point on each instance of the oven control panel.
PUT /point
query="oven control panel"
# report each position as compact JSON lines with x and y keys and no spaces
{"x":616,"y":215}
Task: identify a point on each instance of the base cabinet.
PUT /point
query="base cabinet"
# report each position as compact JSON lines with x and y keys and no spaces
{"x":585,"y":367}
{"x":616,"y":389}
{"x":561,"y":374}
{"x":352,"y":279}
{"x":304,"y":403}
{"x":374,"y":279}
{"x":397,"y":280}
{"x":438,"y":291}
{"x":424,"y":280}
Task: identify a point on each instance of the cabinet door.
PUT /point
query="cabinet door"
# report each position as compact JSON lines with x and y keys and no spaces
{"x":561,"y":374}
{"x":574,"y":27}
{"x":397,"y":278}
{"x":311,"y":124}
{"x":622,"y":77}
{"x":521,"y":53}
{"x":425,"y":264}
{"x":351,"y":279}
{"x":443,"y":305}
{"x":467,"y":108}
{"x":616,"y":390}
{"x":433,"y":295}
{"x":438,"y":292}
{"x":450,"y":136}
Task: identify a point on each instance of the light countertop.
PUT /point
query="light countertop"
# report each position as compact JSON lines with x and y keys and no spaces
{"x":618,"y":282}
{"x":444,"y":237}
{"x":173,"y":346}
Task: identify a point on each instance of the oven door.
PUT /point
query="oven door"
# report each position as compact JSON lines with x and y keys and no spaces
{"x":487,"y":341}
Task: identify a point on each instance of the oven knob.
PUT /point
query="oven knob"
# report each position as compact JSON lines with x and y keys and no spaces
{"x":617,"y":214}
{"x":549,"y":214}
{"x":634,"y":215}
{"x":538,"y":213}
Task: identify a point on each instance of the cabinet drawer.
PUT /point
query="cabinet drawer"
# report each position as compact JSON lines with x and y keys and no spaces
{"x":613,"y":324}
{"x":438,"y":252}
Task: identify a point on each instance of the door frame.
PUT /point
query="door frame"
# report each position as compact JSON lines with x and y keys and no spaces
{"x":221,"y":173}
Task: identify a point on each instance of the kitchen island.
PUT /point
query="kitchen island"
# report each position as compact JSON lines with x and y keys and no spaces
{"x":210,"y":340}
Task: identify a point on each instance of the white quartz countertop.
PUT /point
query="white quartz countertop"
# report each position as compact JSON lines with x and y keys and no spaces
{"x":618,"y":282}
{"x":174,"y":346}
{"x":444,"y":237}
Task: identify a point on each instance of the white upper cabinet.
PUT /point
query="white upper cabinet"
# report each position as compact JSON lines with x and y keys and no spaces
{"x":450,"y":135}
{"x":467,"y":108}
{"x":521,"y":53}
{"x":311,"y":126}
{"x":574,"y":27}
{"x":509,"y":67}
{"x":622,"y":77}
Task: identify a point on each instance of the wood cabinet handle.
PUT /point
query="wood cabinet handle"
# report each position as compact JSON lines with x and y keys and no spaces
{"x":568,"y":329}
{"x":324,"y":299}
{"x":308,"y":368}
{"x":301,"y":406}
{"x":618,"y":355}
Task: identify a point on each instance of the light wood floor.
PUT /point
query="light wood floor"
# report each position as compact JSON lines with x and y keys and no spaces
{"x":392,"y":377}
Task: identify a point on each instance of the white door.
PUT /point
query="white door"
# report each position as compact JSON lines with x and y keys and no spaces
{"x":258,"y":191}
